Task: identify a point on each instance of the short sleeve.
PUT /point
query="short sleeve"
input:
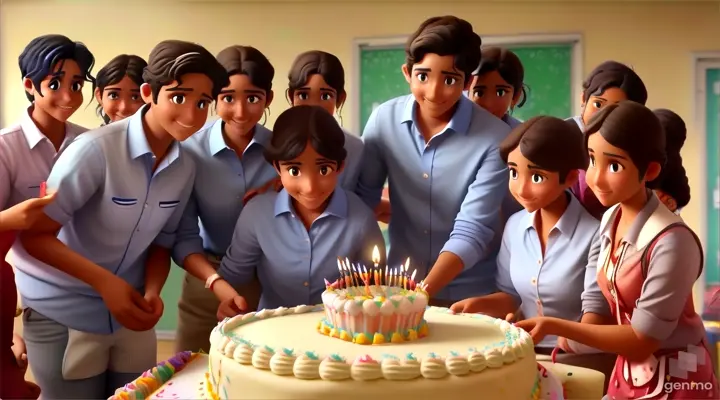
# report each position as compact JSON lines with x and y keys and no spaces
{"x":5,"y":183}
{"x":593,"y":300}
{"x":76,"y":176}
{"x":673,"y":268}
{"x":503,"y":279}
{"x":187,"y":239}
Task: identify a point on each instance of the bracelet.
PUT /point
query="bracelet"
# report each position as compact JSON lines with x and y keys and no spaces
{"x":211,"y":281}
{"x":18,"y":312}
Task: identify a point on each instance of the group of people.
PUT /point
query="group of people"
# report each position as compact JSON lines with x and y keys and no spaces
{"x":569,"y":227}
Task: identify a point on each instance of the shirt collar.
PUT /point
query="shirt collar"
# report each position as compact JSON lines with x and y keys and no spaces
{"x":631,"y":236}
{"x":337,"y":207}
{"x":567,"y":222}
{"x":33,"y":134}
{"x":578,"y":120}
{"x":460,"y":121}
{"x":138,"y":145}
{"x":261,"y":137}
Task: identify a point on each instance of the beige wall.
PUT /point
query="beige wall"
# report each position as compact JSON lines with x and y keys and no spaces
{"x":657,"y":38}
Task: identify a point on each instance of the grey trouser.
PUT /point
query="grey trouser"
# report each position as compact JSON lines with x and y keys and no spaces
{"x":47,"y":342}
{"x":197,"y":311}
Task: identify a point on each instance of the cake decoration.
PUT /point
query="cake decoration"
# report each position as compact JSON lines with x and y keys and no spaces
{"x":282,"y":362}
{"x":372,"y":307}
{"x":152,"y":379}
{"x":433,"y":367}
{"x":365,"y":368}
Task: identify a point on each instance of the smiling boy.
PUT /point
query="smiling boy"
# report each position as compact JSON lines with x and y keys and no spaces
{"x":91,"y":270}
{"x":439,"y":152}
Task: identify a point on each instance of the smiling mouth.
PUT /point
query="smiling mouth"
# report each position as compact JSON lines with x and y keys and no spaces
{"x":436,"y":104}
{"x":183,"y":125}
{"x":122,"y":116}
{"x":65,"y":107}
{"x":526,"y":200}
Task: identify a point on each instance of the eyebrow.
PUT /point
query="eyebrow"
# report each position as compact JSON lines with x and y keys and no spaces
{"x":602,"y":99}
{"x":328,"y":89}
{"x":321,"y":161}
{"x":117,"y":89}
{"x":255,"y":91}
{"x":291,"y":163}
{"x":615,"y":155}
{"x":227,"y":91}
{"x":512,"y":164}
{"x":536,"y":167}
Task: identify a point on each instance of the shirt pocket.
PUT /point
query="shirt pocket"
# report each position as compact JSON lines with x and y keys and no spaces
{"x":27,"y":189}
{"x":162,"y":212}
{"x":122,"y":213}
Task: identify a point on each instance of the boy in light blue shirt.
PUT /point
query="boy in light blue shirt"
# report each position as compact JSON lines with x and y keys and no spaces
{"x":90,"y":272}
{"x":293,"y":238}
{"x":439,"y":152}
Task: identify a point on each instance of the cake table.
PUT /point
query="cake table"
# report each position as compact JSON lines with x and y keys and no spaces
{"x":189,"y":380}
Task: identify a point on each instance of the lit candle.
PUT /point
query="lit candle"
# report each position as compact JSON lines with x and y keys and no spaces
{"x":406,"y":267}
{"x":376,"y":257}
{"x":412,"y":277}
{"x":385,"y":278}
{"x":343,"y":278}
{"x":366,"y":280}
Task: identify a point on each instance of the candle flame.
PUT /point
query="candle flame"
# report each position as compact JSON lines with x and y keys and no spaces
{"x":376,"y":255}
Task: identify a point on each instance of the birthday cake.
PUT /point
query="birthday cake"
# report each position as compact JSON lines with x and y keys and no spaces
{"x":276,"y":354}
{"x":374,"y":308}
{"x":151,"y":380}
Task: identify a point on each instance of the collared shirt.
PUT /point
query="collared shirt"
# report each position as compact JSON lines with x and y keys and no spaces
{"x":580,"y":188}
{"x":511,"y":121}
{"x":551,"y":284}
{"x":445,"y":194}
{"x":221,"y":182}
{"x":673,"y":268}
{"x":26,"y":157}
{"x":112,"y":207}
{"x":351,"y":171}
{"x":291,"y":261}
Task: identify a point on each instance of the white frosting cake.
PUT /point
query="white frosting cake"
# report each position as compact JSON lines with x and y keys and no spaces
{"x":278,"y":354}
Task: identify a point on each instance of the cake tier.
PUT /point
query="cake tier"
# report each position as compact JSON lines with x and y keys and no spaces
{"x":374,"y":314}
{"x":278,"y":354}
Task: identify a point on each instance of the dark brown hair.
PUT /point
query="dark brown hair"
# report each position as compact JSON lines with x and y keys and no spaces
{"x":318,"y":62}
{"x":246,"y":60}
{"x":550,"y":143}
{"x":635,"y":129}
{"x":612,"y":74}
{"x":171,"y":59}
{"x":508,"y":65}
{"x":445,"y":36}
{"x":301,"y":125}
{"x":673,"y":179}
{"x":114,"y":71}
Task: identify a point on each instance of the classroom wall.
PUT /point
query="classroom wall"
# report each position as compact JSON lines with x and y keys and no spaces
{"x":656,"y":38}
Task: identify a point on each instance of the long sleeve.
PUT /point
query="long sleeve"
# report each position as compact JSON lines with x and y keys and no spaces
{"x":244,"y":254}
{"x":373,"y":169}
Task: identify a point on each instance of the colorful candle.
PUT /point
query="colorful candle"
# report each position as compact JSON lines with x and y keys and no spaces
{"x":412,"y":277}
{"x":405,"y":273}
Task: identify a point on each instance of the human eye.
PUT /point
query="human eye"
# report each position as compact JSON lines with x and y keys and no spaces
{"x":202,"y":104}
{"x":513,"y":174}
{"x":615,"y":167}
{"x":478,"y":93}
{"x":54,"y":84}
{"x":303,"y":96}
{"x":501,"y":92}
{"x":421,"y":76}
{"x":76,"y":86}
{"x":449,"y":80}
{"x":326,"y":170}
{"x":293,"y":171}
{"x":252,"y":99}
{"x":592,"y":160}
{"x":537,"y":178}
{"x":135,"y":97}
{"x":178,"y":98}
{"x":326,"y":97}
{"x":113,"y":96}
{"x":228,"y":98}
{"x":597,"y":104}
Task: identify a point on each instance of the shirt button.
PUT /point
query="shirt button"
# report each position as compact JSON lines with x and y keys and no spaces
{"x":425,"y":175}
{"x":306,"y":284}
{"x":533,"y":281}
{"x":540,"y":261}
{"x":146,"y":205}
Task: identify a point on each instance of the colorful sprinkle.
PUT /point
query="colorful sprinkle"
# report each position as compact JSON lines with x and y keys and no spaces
{"x":411,"y":357}
{"x":270,"y":349}
{"x":365,"y":359}
{"x":336,"y":357}
{"x":288,"y":352}
{"x":311,"y":355}
{"x":390,"y":356}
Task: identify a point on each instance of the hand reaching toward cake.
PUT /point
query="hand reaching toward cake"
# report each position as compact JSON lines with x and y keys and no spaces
{"x":231,"y":307}
{"x":537,"y":327}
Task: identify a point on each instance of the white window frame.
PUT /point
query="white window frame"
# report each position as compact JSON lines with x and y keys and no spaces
{"x":701,"y":62}
{"x":394,"y":42}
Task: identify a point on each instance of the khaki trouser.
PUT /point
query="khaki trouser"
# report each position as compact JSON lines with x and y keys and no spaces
{"x":197,"y":310}
{"x":602,"y":362}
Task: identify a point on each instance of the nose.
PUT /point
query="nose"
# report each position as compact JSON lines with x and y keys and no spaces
{"x":123,"y":107}
{"x":433,"y":91}
{"x":309,"y":186}
{"x":240,"y":109}
{"x":66,"y":97}
{"x":595,"y":178}
{"x":523,"y":189}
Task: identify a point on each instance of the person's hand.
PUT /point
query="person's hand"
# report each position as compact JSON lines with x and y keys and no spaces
{"x":275,"y":184}
{"x":23,"y":215}
{"x":127,"y":305}
{"x":467,"y":306}
{"x":563,"y":344}
{"x":20,"y":351}
{"x":156,"y":305}
{"x":537,"y":327}
{"x":231,"y":307}
{"x":510,"y":317}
